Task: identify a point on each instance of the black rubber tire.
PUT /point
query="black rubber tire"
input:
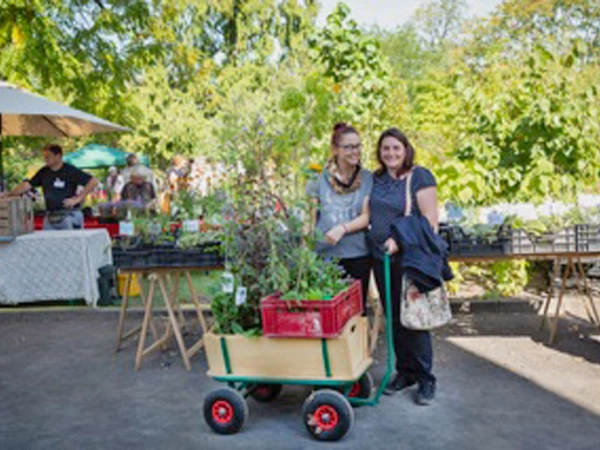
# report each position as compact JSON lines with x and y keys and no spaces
{"x":363,"y":388}
{"x":327,"y":415}
{"x":265,"y":393}
{"x":225,"y":410}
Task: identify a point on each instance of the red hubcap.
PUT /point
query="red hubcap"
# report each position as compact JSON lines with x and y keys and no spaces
{"x":222,"y":411}
{"x":326,"y":417}
{"x":355,"y":390}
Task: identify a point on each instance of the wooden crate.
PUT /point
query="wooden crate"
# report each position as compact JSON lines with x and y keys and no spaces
{"x":16,"y":217}
{"x":281,"y":359}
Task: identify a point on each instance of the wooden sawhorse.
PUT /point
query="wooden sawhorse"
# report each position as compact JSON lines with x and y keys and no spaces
{"x":165,"y":280}
{"x":574,"y":267}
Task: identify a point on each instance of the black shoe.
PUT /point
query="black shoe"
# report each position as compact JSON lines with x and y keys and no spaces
{"x":398,"y":383}
{"x":426,"y":393}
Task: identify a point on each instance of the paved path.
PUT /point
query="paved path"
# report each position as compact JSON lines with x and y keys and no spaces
{"x":500,"y":387}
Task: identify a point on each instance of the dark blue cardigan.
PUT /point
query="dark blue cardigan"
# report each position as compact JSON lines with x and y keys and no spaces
{"x":424,"y":254}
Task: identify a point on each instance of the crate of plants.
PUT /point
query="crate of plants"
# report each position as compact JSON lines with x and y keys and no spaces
{"x":478,"y":240}
{"x":130,"y":254}
{"x":587,"y":238}
{"x":200,"y":249}
{"x":544,"y":235}
{"x":317,"y":316}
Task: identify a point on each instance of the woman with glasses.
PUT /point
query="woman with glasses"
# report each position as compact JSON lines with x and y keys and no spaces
{"x":342,"y":191}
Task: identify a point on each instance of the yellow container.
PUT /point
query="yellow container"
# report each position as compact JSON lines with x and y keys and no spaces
{"x":291,"y":358}
{"x":134,"y":286}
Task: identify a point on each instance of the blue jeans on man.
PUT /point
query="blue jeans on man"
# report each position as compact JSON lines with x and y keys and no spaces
{"x":72,"y":220}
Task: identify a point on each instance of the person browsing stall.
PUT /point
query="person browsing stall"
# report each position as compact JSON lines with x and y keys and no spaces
{"x":114,"y":184}
{"x":139,"y":190}
{"x":342,"y":191}
{"x":60,"y":182}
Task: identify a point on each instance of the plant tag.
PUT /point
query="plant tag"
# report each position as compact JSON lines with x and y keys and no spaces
{"x":126,"y":228}
{"x":227,"y":284}
{"x":154,"y":228}
{"x":191,"y":226}
{"x":240,"y":296}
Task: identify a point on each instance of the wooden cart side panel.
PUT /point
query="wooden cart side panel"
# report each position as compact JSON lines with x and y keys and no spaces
{"x":350,"y":352}
{"x":291,"y":358}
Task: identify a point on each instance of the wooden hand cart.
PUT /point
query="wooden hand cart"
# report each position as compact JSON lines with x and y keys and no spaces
{"x":258,"y":367}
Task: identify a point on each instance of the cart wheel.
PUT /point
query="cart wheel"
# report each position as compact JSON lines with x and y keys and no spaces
{"x":225,"y":410}
{"x":327,"y":415}
{"x":265,"y":393}
{"x":363,"y":387}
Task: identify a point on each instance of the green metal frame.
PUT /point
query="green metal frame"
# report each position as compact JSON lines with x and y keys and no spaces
{"x":244,"y":384}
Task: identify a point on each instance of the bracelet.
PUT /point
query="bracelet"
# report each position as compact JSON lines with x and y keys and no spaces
{"x":345,"y":228}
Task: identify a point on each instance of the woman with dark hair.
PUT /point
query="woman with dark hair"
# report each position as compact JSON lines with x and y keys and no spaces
{"x":396,"y":156}
{"x":342,"y":191}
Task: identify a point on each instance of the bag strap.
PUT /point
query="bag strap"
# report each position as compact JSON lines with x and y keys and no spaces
{"x":408,"y":209}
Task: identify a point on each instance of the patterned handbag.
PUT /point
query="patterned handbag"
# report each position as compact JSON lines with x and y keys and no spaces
{"x":422,"y":310}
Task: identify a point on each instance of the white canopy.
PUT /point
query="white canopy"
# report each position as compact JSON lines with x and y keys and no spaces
{"x":26,"y":114}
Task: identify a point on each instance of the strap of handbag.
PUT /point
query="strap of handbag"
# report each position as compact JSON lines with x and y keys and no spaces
{"x":408,"y":209}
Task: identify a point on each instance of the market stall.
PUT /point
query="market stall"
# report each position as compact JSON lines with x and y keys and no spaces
{"x":53,"y":265}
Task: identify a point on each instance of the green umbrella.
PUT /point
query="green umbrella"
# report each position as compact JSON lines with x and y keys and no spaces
{"x":95,"y":156}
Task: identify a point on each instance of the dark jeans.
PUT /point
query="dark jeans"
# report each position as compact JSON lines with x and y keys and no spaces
{"x":359,"y":269}
{"x":414,"y":352}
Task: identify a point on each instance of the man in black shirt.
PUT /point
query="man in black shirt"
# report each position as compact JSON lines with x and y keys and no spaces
{"x":59,"y":181}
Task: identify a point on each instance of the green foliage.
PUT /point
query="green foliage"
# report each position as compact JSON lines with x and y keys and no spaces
{"x":191,"y":240}
{"x":354,"y":62}
{"x":185,"y":205}
{"x":267,"y":253}
{"x":508,"y":277}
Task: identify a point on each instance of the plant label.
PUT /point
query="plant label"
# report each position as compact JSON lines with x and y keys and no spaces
{"x":240,"y":296}
{"x":191,"y":226}
{"x":227,"y":284}
{"x":154,"y":228}
{"x":126,"y":228}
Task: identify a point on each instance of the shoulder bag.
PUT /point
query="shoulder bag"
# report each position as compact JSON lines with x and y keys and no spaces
{"x":422,"y":310}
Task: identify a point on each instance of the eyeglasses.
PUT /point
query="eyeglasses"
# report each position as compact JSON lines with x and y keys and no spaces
{"x":350,"y":147}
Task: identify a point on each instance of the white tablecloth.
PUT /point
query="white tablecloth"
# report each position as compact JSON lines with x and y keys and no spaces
{"x":53,"y":265}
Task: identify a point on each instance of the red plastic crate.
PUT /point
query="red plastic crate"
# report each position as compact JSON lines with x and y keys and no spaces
{"x":310,"y":318}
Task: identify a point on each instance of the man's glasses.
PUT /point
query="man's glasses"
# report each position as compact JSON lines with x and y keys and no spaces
{"x":350,"y":147}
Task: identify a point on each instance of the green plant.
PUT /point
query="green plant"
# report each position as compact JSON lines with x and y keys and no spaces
{"x":185,"y":205}
{"x":191,"y":240}
{"x":267,"y":253}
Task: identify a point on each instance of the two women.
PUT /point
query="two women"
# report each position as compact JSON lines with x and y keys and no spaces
{"x":379,"y":201}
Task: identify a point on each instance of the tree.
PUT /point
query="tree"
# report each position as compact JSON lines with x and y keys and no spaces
{"x":519,"y":25}
{"x":355,"y":64}
{"x":407,"y":56}
{"x":439,"y":22}
{"x":531,"y":133}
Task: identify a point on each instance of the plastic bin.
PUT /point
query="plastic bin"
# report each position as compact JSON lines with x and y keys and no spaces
{"x":310,"y":318}
{"x":134,"y":286}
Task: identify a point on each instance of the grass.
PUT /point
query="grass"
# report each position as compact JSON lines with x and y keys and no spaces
{"x":205,"y":283}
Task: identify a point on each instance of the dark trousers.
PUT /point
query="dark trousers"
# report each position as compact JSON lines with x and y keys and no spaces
{"x":414,"y":352}
{"x":359,"y":269}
